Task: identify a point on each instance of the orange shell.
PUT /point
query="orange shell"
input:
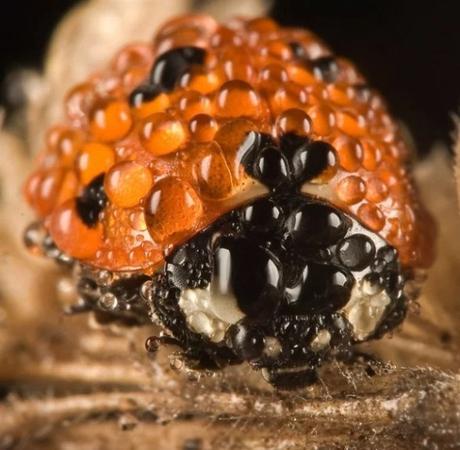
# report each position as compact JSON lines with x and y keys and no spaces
{"x":172,"y":163}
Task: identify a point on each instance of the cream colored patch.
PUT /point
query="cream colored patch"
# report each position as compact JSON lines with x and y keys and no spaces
{"x":251,"y":189}
{"x":322,"y":191}
{"x":365,"y":309}
{"x":208,"y":314}
{"x":320,"y":341}
{"x":272,"y":347}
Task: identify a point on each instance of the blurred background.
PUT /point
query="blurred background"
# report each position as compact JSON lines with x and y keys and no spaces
{"x":409,"y":50}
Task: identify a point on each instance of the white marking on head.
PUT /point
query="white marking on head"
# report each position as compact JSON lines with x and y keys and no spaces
{"x":209,"y":314}
{"x":365,"y":308}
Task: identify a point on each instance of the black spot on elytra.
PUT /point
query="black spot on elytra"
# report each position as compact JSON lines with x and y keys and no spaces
{"x":325,"y":68}
{"x":298,"y":50}
{"x":362,"y":92}
{"x":308,"y":159}
{"x":285,"y":164}
{"x":92,"y":201}
{"x":290,"y":261}
{"x":167,"y":70}
{"x":170,"y":66}
{"x":143,"y":93}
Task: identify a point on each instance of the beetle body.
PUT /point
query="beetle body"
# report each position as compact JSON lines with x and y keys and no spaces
{"x":240,"y":185}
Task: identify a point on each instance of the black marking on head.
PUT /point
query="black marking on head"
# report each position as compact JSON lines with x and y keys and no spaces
{"x":170,"y":66}
{"x":291,"y":262}
{"x":251,"y":272}
{"x":92,"y":201}
{"x":316,"y":225}
{"x":321,"y":288}
{"x":325,"y":68}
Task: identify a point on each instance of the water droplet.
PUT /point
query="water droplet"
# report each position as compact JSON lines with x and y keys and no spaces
{"x":103,"y":277}
{"x":152,"y":344}
{"x":177,"y":363}
{"x":147,"y":291}
{"x":108,"y":301}
{"x":34,"y":236}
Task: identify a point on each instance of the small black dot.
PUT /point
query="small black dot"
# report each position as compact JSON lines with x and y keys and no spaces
{"x":325,"y":68}
{"x":446,"y":337}
{"x":93,"y":200}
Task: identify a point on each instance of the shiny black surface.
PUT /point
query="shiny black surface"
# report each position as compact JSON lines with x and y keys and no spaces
{"x":92,"y":201}
{"x":356,"y":252}
{"x":143,"y":93}
{"x":325,"y":68}
{"x":407,"y":50}
{"x":287,"y":163}
{"x":171,"y":65}
{"x":290,"y":262}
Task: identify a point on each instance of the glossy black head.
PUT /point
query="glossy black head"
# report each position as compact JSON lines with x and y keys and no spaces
{"x":282,"y":282}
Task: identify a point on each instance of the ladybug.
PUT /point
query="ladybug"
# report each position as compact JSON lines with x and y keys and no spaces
{"x":241,"y":186}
